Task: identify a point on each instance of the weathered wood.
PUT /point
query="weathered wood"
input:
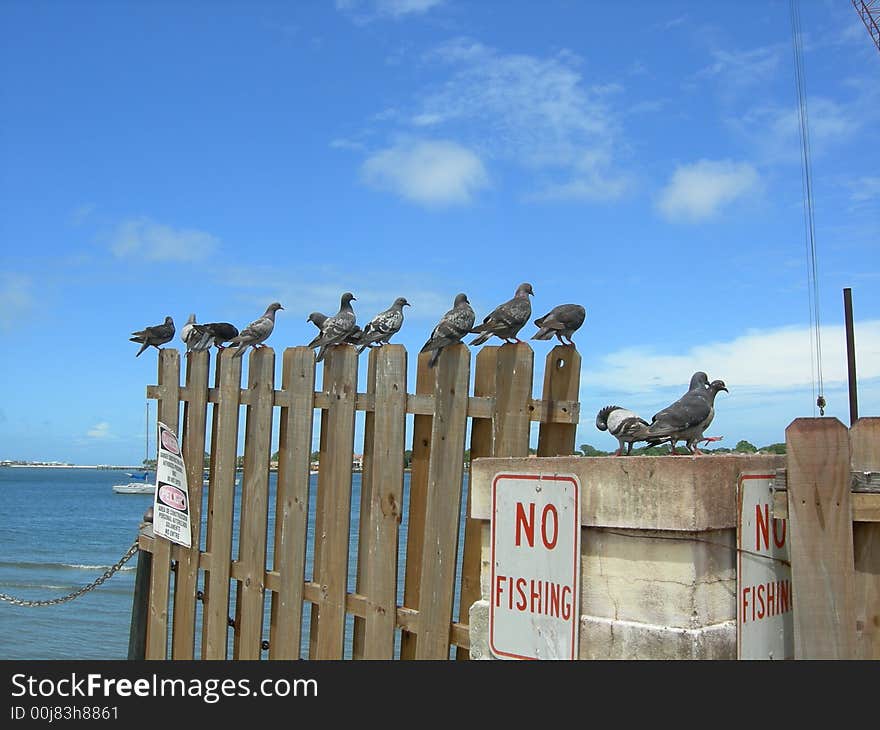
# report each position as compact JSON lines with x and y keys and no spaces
{"x":513,"y":394}
{"x":333,"y":508}
{"x":383,"y":517}
{"x":363,"y":563}
{"x":253,"y":522}
{"x":221,"y":498}
{"x":823,"y":583}
{"x":418,"y":491}
{"x":186,"y":580}
{"x":865,"y":506}
{"x":482,"y":444}
{"x":562,"y":375}
{"x":443,"y":506}
{"x":160,"y":573}
{"x":292,"y":501}
{"x":865,"y":451}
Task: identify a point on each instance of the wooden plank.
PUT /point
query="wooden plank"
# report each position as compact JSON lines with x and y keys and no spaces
{"x":168,"y":413}
{"x":221,"y":501}
{"x":195,"y":415}
{"x":334,"y":504}
{"x":443,"y":504}
{"x":385,"y":501}
{"x":513,"y":383}
{"x":292,"y":505}
{"x":253,"y":523}
{"x":865,"y":453}
{"x":363,"y":563}
{"x":823,"y":583}
{"x":865,"y":506}
{"x":482,"y":444}
{"x":418,"y":491}
{"x":562,"y":375}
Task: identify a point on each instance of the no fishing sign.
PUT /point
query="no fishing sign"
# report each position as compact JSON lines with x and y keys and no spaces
{"x":171,"y":500}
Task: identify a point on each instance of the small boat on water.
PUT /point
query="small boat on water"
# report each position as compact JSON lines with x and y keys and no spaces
{"x":135,"y":488}
{"x":140,"y":483}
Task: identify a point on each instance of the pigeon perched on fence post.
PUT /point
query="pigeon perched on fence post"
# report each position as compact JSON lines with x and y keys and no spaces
{"x":154,"y":336}
{"x":506,"y":320}
{"x":257,"y":331}
{"x":336,"y":329}
{"x":215,"y":333}
{"x":383,"y":326}
{"x":687,"y":418}
{"x":451,"y":328}
{"x":562,"y":321}
{"x":188,"y":334}
{"x":625,"y":425}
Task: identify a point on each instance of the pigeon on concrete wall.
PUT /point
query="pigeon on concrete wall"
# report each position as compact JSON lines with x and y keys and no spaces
{"x":451,"y":328}
{"x":336,"y":329}
{"x":686,"y":419}
{"x":625,"y":425}
{"x":381,"y":328}
{"x":154,"y":336}
{"x":506,"y":320}
{"x":257,"y":331}
{"x":214,"y":333}
{"x":562,"y":321}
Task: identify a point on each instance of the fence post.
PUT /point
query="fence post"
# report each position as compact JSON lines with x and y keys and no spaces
{"x":254,"y":518}
{"x":865,"y":446}
{"x":160,"y":573}
{"x":562,"y":374}
{"x":221,"y":499}
{"x":333,"y":506}
{"x":140,"y":602}
{"x":186,"y":579}
{"x":418,"y":490}
{"x":820,"y":516}
{"x":443,"y":503}
{"x":292,"y":500}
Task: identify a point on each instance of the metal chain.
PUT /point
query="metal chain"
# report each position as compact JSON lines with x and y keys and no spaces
{"x":76,"y":594}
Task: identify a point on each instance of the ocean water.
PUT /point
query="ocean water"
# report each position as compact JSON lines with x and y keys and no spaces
{"x":60,"y":529}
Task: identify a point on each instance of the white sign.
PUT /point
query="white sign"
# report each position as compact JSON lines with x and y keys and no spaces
{"x":171,"y":500}
{"x":765,"y":621}
{"x":535,"y":582}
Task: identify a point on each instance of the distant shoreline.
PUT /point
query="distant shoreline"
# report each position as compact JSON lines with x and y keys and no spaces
{"x":102,"y":467}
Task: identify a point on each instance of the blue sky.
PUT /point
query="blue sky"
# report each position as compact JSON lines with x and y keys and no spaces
{"x":642,"y":159}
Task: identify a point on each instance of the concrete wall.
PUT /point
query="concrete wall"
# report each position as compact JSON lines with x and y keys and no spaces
{"x":658,"y":551}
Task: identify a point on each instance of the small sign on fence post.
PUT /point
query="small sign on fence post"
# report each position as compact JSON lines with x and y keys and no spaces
{"x":171,"y":499}
{"x":765,"y":621}
{"x":535,"y":578}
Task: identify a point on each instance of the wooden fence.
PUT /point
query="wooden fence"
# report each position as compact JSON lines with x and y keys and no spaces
{"x":501,"y":410}
{"x":830,"y":493}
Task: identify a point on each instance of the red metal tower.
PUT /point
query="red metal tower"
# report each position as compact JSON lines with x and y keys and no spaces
{"x":869,"y":12}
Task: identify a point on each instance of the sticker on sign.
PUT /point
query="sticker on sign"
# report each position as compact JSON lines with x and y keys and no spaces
{"x":535,"y":556}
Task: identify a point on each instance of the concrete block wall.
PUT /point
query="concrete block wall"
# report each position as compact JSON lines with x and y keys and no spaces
{"x":658,"y":551}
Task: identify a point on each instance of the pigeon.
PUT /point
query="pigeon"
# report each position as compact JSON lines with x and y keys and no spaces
{"x":383,"y":326}
{"x":215,"y":333}
{"x":154,"y":336}
{"x":625,"y":425}
{"x":188,"y":335}
{"x":257,"y":331}
{"x":336,"y":329}
{"x":507,"y":319}
{"x":562,"y":321}
{"x":451,"y":328}
{"x":687,"y":418}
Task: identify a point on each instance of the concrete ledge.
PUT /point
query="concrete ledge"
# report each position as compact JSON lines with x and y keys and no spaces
{"x":690,"y":493}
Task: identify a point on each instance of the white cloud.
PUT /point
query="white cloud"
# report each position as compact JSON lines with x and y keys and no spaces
{"x":536,"y":112}
{"x":698,"y":191}
{"x":364,"y":11}
{"x":146,"y":239}
{"x":16,"y":299}
{"x":430,"y":172}
{"x":99,"y":431}
{"x":761,"y":360}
